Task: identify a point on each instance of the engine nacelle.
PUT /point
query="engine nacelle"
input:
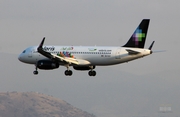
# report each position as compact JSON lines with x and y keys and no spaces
{"x":83,"y":67}
{"x":47,"y":64}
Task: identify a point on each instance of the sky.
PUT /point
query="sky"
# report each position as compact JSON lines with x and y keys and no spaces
{"x":133,"y":89}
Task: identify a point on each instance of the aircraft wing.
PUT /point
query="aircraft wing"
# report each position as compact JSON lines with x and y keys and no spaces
{"x":56,"y":57}
{"x":66,"y":60}
{"x":131,"y":52}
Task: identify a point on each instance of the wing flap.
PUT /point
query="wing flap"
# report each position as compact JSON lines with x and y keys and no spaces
{"x":66,"y":59}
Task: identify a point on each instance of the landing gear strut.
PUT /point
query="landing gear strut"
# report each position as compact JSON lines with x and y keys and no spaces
{"x":92,"y":72}
{"x":35,"y":72}
{"x":68,"y":72}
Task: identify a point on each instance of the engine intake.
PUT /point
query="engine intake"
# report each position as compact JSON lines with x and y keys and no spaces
{"x":47,"y":65}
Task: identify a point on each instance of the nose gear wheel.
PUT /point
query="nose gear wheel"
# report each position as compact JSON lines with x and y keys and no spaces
{"x":35,"y":72}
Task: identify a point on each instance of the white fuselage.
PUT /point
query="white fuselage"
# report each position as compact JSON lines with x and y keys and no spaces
{"x":92,"y":55}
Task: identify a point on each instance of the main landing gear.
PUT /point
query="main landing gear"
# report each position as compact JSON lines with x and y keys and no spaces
{"x":68,"y":72}
{"x":92,"y":73}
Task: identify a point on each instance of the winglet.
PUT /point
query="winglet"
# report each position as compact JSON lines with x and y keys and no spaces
{"x":150,"y":47}
{"x":42,"y":42}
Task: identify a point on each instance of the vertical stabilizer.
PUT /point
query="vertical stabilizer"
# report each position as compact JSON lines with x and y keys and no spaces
{"x":138,"y":38}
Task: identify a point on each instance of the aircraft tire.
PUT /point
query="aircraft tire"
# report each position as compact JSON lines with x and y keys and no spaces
{"x":92,"y":73}
{"x":68,"y":72}
{"x":35,"y":72}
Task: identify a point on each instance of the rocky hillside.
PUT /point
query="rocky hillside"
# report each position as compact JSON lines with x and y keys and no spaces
{"x":33,"y":104}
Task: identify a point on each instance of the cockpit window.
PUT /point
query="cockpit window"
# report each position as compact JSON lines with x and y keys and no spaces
{"x":24,"y":51}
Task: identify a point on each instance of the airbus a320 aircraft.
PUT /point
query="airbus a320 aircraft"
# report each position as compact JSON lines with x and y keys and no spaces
{"x":87,"y":57}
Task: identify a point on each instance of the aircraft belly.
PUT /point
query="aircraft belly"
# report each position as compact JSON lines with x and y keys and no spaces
{"x":102,"y":61}
{"x":130,"y":58}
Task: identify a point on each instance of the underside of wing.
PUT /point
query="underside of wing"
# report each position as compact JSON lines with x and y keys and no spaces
{"x":65,"y":59}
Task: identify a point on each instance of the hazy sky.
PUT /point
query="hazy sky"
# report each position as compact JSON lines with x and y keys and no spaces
{"x":137,"y":88}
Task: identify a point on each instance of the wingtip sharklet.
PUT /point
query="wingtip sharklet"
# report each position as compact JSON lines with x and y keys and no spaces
{"x":42,"y":43}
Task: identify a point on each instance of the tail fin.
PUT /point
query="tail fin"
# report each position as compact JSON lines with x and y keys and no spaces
{"x":138,"y":38}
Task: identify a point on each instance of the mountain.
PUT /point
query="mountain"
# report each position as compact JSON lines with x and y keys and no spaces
{"x":32,"y":104}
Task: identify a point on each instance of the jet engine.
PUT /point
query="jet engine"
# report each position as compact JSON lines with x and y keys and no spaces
{"x":47,"y":65}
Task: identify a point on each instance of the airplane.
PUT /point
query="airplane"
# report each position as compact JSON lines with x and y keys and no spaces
{"x":87,"y":57}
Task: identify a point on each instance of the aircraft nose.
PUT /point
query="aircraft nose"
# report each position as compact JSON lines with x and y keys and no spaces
{"x":20,"y":57}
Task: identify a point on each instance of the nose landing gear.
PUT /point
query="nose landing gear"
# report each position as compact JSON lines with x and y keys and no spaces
{"x":35,"y":72}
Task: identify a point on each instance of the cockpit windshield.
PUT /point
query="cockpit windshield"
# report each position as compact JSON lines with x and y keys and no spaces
{"x":24,"y":51}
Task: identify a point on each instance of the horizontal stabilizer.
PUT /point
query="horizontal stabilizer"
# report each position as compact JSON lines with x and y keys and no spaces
{"x":150,"y":47}
{"x":131,"y":52}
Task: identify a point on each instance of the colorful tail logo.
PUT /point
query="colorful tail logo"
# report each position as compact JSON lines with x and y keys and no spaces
{"x":138,"y":38}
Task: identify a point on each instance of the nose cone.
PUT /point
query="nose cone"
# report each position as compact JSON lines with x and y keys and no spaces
{"x":21,"y":58}
{"x":26,"y":56}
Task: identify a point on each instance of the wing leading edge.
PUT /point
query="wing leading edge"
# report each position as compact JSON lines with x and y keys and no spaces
{"x":57,"y":58}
